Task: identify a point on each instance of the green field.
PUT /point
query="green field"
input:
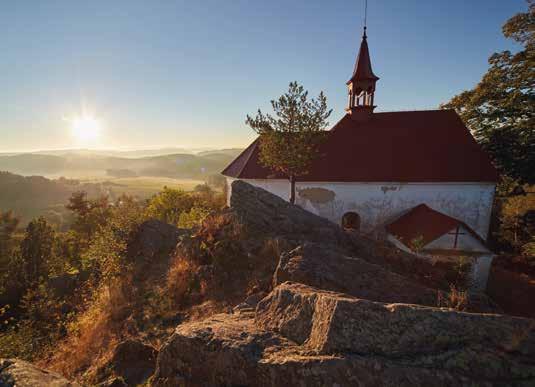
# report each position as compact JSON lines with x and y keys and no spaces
{"x":144,"y":186}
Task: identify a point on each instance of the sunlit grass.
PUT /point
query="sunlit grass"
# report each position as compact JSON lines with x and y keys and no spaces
{"x":145,"y":186}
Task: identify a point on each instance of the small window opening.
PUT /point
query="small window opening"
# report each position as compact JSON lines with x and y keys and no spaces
{"x":351,"y":221}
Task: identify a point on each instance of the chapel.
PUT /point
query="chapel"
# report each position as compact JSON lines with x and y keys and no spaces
{"x":412,"y":177}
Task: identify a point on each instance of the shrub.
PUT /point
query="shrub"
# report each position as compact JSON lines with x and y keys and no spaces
{"x":169,"y":204}
{"x":18,"y":341}
{"x":181,"y":281}
{"x":455,"y":298}
{"x":515,"y":230}
{"x":193,"y":218}
{"x":417,"y":244}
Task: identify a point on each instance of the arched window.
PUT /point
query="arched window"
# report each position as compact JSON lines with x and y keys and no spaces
{"x":351,"y":221}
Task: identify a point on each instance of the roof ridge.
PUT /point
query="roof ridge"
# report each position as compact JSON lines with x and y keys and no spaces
{"x":415,"y":111}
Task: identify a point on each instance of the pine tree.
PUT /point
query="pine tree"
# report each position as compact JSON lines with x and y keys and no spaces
{"x":36,"y":249}
{"x":289,"y":140}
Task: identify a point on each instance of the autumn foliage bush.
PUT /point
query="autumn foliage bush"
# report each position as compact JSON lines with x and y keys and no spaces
{"x":221,"y":262}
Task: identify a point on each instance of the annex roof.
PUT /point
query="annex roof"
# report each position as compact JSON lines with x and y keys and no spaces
{"x":425,"y":223}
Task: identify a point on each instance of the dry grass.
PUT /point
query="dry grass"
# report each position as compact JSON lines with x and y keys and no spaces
{"x":456,"y":298}
{"x":218,"y":226}
{"x":180,"y":280}
{"x":215,"y":268}
{"x":95,"y":332}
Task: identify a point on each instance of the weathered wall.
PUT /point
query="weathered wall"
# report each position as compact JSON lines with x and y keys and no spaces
{"x":379,"y":203}
{"x":479,"y":275}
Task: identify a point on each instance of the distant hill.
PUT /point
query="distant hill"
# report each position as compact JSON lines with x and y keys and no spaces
{"x":32,"y":196}
{"x":228,"y":152}
{"x":135,"y":153}
{"x":32,"y":163}
{"x":77,"y":163}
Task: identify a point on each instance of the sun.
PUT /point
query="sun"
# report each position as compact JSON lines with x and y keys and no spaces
{"x":86,"y":129}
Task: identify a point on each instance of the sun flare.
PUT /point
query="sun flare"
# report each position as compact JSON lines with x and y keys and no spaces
{"x":86,"y":128}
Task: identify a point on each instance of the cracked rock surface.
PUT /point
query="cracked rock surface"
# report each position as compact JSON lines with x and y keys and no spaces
{"x":19,"y":373}
{"x":301,"y":335}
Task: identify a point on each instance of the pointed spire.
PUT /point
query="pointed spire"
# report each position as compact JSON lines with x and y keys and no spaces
{"x":363,"y":65}
{"x":361,"y":85}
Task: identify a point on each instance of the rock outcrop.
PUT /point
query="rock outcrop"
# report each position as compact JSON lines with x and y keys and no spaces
{"x":268,"y":215}
{"x":133,"y":361}
{"x":305,"y":336}
{"x":329,"y":322}
{"x":326,"y":268}
{"x":18,"y":373}
{"x":154,"y":238}
{"x":334,"y":318}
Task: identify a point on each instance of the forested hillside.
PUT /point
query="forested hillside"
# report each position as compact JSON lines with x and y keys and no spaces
{"x":32,"y":196}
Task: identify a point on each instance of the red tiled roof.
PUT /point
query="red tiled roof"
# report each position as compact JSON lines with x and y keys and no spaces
{"x":422,"y":221}
{"x":417,"y":146}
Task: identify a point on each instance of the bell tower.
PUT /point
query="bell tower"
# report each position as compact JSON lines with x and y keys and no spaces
{"x":361,"y":85}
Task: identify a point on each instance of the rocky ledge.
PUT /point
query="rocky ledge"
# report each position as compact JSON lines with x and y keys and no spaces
{"x":18,"y":373}
{"x":327,"y":268}
{"x":301,"y":335}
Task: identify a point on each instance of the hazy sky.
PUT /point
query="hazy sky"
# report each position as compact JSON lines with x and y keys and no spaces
{"x":185,"y":73}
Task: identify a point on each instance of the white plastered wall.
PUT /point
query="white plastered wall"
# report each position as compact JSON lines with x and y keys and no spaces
{"x":381,"y":202}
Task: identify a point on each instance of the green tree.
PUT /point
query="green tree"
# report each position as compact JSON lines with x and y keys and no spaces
{"x":8,"y":249}
{"x":515,"y":230}
{"x":90,"y":214}
{"x":193,"y":217}
{"x":8,"y":225}
{"x":106,"y":256}
{"x":289,"y":140}
{"x":500,"y":110}
{"x":36,"y":250}
{"x":168,"y":204}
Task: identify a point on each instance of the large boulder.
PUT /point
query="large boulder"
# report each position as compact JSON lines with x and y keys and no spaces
{"x":222,"y":350}
{"x":304,"y":336}
{"x":154,"y":238}
{"x":332,"y":323}
{"x":268,"y":215}
{"x":133,"y":361}
{"x":19,"y":373}
{"x":327,"y":268}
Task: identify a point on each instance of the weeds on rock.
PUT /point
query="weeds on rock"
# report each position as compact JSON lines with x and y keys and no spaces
{"x":456,"y":298}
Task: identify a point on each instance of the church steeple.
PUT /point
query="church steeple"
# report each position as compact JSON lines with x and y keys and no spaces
{"x":361,"y":85}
